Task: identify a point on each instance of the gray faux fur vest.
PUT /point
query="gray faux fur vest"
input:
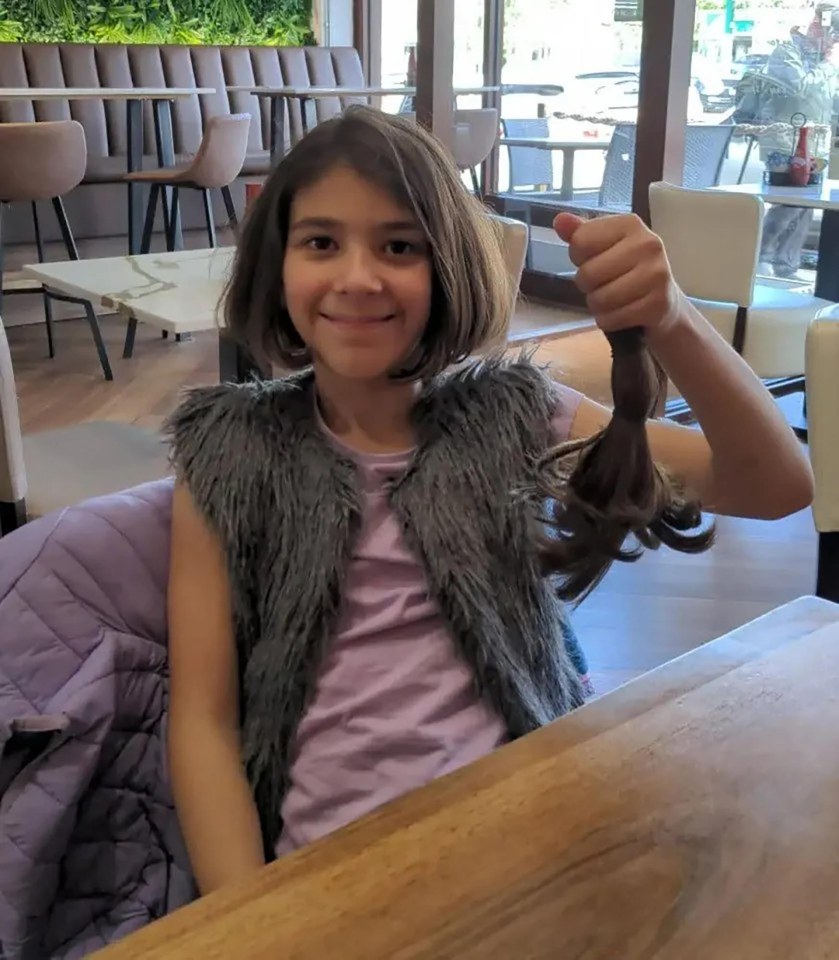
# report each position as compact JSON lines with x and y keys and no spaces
{"x":286,"y":506}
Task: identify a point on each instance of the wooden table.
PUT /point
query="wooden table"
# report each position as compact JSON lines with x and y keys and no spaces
{"x":161,"y":99}
{"x":690,"y":815}
{"x":278,"y":95}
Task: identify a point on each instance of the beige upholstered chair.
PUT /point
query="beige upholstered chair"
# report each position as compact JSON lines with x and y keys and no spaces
{"x":712,"y":239}
{"x":45,"y":471}
{"x":823,"y":436}
{"x":45,"y":161}
{"x":514,"y":238}
{"x":217,"y":164}
{"x":475,"y":134}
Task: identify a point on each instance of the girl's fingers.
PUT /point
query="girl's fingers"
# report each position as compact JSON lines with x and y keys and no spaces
{"x":606,"y":267}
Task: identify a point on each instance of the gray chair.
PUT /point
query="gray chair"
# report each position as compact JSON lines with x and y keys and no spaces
{"x":44,"y":161}
{"x":530,"y":168}
{"x":46,"y":471}
{"x":705,"y":149}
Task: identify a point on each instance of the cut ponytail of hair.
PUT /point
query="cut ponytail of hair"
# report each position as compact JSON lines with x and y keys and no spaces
{"x":606,"y":488}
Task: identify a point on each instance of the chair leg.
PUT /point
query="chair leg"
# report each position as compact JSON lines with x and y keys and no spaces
{"x":476,"y":186}
{"x":97,"y":339}
{"x":47,"y":302}
{"x":151,"y":212}
{"x":174,"y":219}
{"x":230,"y":207}
{"x":827,"y":586}
{"x":69,"y":242}
{"x":208,"y":213}
{"x":12,"y":515}
{"x":739,"y":339}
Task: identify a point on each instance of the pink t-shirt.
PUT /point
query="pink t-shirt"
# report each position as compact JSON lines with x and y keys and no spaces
{"x":394,"y":706}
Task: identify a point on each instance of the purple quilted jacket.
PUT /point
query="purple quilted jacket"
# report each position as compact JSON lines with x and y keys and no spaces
{"x":90,"y":848}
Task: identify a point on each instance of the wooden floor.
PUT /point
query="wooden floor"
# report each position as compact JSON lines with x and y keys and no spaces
{"x":641,"y":616}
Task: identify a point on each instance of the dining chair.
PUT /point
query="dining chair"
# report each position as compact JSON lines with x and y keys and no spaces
{"x":822,"y":375}
{"x":216,"y":165}
{"x":475,"y":134}
{"x":39,"y":161}
{"x":712,"y":240}
{"x":530,"y":168}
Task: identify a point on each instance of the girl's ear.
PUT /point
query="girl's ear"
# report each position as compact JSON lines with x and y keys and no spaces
{"x":613,"y":490}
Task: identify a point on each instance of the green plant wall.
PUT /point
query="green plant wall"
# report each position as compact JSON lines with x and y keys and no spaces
{"x":269,"y":22}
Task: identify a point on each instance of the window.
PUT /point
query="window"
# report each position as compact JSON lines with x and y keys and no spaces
{"x":761,"y":75}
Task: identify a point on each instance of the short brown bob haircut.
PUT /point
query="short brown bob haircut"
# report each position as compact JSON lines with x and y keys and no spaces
{"x":472,"y":292}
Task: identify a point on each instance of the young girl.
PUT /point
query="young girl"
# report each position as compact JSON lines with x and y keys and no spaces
{"x":356,"y":604}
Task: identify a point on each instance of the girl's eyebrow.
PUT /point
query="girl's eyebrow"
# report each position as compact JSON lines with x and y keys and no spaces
{"x":328,"y":223}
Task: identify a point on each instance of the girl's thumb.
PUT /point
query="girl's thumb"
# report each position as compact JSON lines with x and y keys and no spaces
{"x":566,"y":225}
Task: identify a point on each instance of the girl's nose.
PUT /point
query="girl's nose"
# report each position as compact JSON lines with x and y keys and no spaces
{"x":359,"y":272}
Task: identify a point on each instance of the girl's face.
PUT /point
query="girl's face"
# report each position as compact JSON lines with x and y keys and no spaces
{"x":357,"y":276}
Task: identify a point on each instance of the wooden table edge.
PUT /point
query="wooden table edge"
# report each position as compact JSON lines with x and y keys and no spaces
{"x":755,"y":640}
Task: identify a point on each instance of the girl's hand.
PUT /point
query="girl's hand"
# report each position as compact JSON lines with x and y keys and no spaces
{"x":623,"y":271}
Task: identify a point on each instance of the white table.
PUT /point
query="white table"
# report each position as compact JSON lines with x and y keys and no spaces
{"x":180,"y":293}
{"x":177,"y":292}
{"x":278,"y":95}
{"x":161,"y":99}
{"x":824,"y":197}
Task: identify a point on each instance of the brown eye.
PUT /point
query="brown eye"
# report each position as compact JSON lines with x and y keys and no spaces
{"x":402,"y":248}
{"x":319,"y":243}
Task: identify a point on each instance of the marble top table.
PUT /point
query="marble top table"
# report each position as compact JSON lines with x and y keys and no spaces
{"x":689,"y":814}
{"x":180,"y":293}
{"x":177,"y":292}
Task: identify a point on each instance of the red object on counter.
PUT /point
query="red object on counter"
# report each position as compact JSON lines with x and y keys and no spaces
{"x":801,"y":163}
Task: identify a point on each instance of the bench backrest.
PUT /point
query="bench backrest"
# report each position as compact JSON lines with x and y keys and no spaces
{"x":152,"y":65}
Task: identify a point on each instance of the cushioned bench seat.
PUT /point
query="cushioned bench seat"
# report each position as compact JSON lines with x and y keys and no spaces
{"x":151,"y":65}
{"x":112,"y":169}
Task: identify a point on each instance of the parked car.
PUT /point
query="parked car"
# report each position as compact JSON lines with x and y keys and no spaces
{"x":713,"y":86}
{"x":614,"y":93}
{"x":748,"y":63}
